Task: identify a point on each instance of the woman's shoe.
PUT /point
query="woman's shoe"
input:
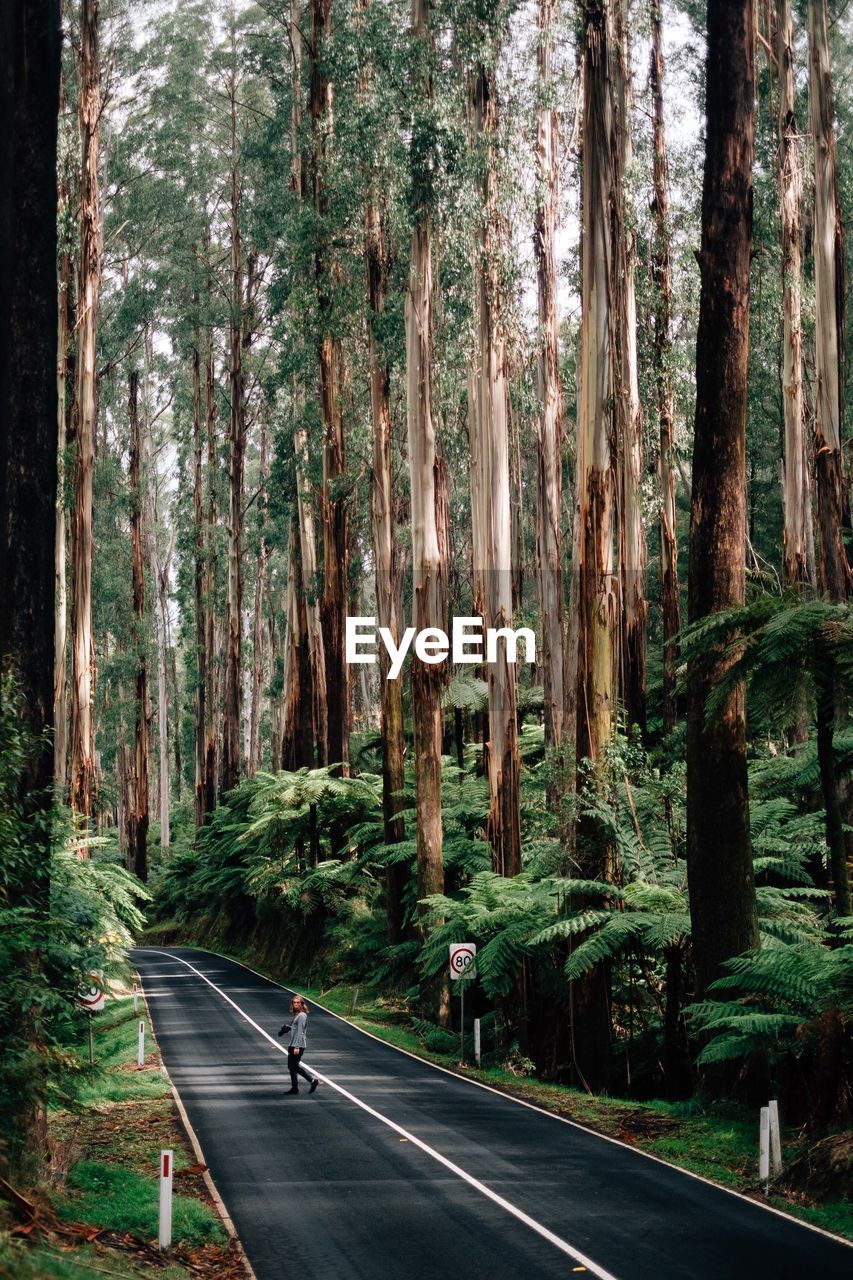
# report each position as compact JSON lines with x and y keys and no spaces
{"x":287,"y":1091}
{"x":314,"y":1084}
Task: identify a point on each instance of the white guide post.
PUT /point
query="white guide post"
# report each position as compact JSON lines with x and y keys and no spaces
{"x":140,"y":1045}
{"x":477,"y":1041}
{"x":135,"y":998}
{"x":764,"y":1149}
{"x":164,"y":1235}
{"x":775,"y":1139}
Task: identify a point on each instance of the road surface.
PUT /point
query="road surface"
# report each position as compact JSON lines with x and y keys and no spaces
{"x":395,"y":1170}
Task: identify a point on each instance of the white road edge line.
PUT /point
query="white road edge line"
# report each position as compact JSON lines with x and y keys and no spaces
{"x":542,"y":1111}
{"x":519,"y":1214}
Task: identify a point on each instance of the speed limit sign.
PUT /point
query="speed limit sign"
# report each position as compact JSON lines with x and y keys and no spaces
{"x":93,"y":998}
{"x":463,"y":960}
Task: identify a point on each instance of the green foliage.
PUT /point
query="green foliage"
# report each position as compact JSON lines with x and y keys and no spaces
{"x":119,"y":1199}
{"x":49,"y":952}
{"x":781,"y":994}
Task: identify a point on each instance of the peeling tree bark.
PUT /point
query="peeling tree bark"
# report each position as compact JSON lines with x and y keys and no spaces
{"x":233,"y":696}
{"x":210,"y":772}
{"x":254,"y":761}
{"x":136,"y":816}
{"x":60,"y":635}
{"x":333,"y":606}
{"x":719,"y":860}
{"x":629,"y":414}
{"x":201,"y":709}
{"x":796,"y":488}
{"x":309,"y":701}
{"x":594,"y":587}
{"x":160,"y":571}
{"x":490,"y":490}
{"x":550,"y":423}
{"x":428,"y":565}
{"x":829,"y":314}
{"x":829,"y":398}
{"x":82,"y":722}
{"x":661,"y":278}
{"x":385,"y":556}
{"x":593,"y":555}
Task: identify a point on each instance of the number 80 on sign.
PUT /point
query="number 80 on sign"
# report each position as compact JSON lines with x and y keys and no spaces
{"x":463,"y":960}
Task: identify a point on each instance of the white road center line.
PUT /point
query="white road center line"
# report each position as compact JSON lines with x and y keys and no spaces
{"x":519,"y":1214}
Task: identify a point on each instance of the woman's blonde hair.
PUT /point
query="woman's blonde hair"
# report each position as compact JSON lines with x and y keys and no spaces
{"x":300,"y":1000}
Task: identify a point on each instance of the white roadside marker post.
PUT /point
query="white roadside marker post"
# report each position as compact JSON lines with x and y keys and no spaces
{"x":140,"y":1045}
{"x":477,"y":1041}
{"x":764,"y":1149}
{"x":135,"y":998}
{"x":164,"y":1235}
{"x":775,"y":1139}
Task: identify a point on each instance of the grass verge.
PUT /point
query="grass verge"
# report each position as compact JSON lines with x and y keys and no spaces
{"x":99,"y":1213}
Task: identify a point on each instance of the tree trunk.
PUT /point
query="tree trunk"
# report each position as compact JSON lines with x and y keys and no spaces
{"x":594,"y":586}
{"x":254,"y":760}
{"x":829,"y":314}
{"x":276,"y":672}
{"x":662,"y":281}
{"x":722,"y":890}
{"x":626,"y":389}
{"x":60,"y":638}
{"x":550,"y":421}
{"x":136,"y":815}
{"x":86,"y":417}
{"x":30,"y":44}
{"x":490,"y":489}
{"x":201,"y":711}
{"x":210,"y":773}
{"x":312,"y":682}
{"x":298,"y":736}
{"x":385,"y":557}
{"x":428,"y":567}
{"x":160,"y":572}
{"x":233,"y":698}
{"x":797,"y":499}
{"x":593,"y":555}
{"x":333,"y":606}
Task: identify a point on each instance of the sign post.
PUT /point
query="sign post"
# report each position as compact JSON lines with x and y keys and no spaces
{"x":92,"y":999}
{"x":164,"y":1234}
{"x":463,"y":968}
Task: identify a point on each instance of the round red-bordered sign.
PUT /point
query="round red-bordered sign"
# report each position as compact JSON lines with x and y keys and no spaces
{"x":93,"y":998}
{"x":463,"y":960}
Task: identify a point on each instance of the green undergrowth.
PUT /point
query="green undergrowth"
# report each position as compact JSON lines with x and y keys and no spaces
{"x":42,"y":1260}
{"x":133,"y":1116}
{"x":716,"y":1141}
{"x":118,"y":1199}
{"x":107,"y":1126}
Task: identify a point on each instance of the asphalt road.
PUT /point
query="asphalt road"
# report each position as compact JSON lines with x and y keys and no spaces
{"x":395,"y":1170}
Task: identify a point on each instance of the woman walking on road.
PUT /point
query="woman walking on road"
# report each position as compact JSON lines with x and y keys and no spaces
{"x":296,"y":1045}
